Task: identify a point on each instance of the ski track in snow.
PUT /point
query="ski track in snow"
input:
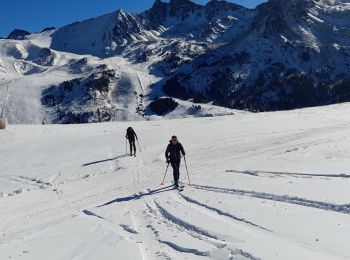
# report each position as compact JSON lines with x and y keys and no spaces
{"x":220,"y":212}
{"x":292,"y":174}
{"x":172,"y":221}
{"x":216,"y":240}
{"x":27,"y":183}
{"x":345,"y":208}
{"x":165,"y":216}
{"x":183,"y":224}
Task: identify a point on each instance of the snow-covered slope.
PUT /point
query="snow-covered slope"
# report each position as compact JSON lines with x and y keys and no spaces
{"x":264,"y":186}
{"x":39,"y":79}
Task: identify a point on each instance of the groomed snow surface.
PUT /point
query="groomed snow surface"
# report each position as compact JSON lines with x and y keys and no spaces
{"x":264,"y":186}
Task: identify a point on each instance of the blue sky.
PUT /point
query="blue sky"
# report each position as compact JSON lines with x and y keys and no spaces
{"x":35,"y":15}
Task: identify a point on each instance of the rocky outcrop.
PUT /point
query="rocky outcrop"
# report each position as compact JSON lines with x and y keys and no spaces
{"x":163,"y":106}
{"x":273,"y":17}
{"x":18,"y":34}
{"x":82,"y":100}
{"x":48,"y":29}
{"x":215,"y":8}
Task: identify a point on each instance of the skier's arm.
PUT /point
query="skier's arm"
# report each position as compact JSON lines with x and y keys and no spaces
{"x":167,"y":153}
{"x":135,"y":135}
{"x":182,"y":150}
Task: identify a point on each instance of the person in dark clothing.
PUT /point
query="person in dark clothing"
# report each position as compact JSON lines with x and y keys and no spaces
{"x":131,"y":135}
{"x":173,"y":155}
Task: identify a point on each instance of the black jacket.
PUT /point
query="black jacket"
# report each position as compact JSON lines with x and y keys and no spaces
{"x":173,"y":151}
{"x":130,"y":134}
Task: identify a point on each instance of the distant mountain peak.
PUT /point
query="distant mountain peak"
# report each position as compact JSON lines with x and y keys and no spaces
{"x":158,"y":2}
{"x":48,"y":29}
{"x":214,"y":7}
{"x":182,"y":2}
{"x":182,"y":7}
{"x":121,"y":12}
{"x":158,"y":12}
{"x":293,"y":7}
{"x":18,"y":34}
{"x":223,"y":4}
{"x":272,"y":16}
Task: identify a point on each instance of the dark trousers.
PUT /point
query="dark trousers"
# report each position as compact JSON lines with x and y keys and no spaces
{"x":175,"y":163}
{"x":132,"y":145}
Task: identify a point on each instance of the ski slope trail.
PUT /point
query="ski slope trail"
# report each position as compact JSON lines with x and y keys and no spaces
{"x":264,"y":186}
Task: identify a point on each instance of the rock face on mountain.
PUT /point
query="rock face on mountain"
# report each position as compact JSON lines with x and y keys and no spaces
{"x":158,"y":13}
{"x":18,"y":34}
{"x":48,"y":29}
{"x":182,"y":8}
{"x":216,"y":7}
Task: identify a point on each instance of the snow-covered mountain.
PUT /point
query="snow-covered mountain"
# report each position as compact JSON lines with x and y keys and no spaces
{"x":291,"y":54}
{"x":103,"y":35}
{"x":280,"y":55}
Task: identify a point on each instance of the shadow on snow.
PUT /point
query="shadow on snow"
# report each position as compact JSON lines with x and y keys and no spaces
{"x":106,"y":160}
{"x":138,"y":196}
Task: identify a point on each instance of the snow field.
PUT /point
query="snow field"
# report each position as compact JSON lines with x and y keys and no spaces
{"x":265,"y":186}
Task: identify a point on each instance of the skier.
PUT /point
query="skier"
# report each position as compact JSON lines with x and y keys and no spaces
{"x":131,"y":135}
{"x":44,"y":122}
{"x":173,"y":156}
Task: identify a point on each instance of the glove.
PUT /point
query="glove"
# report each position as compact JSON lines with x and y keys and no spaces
{"x":167,"y":160}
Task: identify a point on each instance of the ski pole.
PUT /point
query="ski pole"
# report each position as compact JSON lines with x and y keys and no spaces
{"x":188,"y":176}
{"x":165,"y":174}
{"x":126,"y":146}
{"x":4,"y":107}
{"x":139,"y":145}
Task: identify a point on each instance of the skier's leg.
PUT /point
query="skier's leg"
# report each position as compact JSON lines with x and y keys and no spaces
{"x":178,"y":170}
{"x":134,"y":145}
{"x":130,"y":143}
{"x":173,"y":164}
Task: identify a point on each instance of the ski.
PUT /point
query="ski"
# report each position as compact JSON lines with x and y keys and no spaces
{"x":180,"y":188}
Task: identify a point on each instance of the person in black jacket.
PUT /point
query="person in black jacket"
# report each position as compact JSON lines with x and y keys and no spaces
{"x":173,"y":156}
{"x":131,"y":135}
